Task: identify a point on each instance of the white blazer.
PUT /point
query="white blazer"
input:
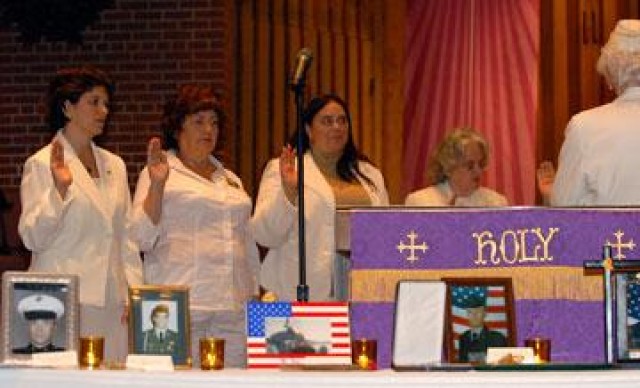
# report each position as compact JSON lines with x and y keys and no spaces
{"x":79,"y":234}
{"x":275,"y":225}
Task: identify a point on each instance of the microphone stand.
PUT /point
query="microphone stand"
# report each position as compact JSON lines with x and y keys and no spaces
{"x":302,"y":291}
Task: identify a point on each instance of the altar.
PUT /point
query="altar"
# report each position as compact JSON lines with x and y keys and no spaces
{"x":541,"y":249}
{"x":48,"y":378}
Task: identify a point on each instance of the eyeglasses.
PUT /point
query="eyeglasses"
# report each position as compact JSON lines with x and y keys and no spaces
{"x":330,"y":121}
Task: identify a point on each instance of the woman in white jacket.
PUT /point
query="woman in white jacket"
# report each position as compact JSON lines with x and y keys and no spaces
{"x":191,"y":218}
{"x":336,"y":174}
{"x":75,"y":204}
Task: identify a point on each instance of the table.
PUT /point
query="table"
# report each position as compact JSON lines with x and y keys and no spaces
{"x":48,"y":378}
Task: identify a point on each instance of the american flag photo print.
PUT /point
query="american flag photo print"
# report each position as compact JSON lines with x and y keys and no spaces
{"x":293,"y":333}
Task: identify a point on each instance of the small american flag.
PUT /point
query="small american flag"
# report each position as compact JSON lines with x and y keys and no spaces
{"x":496,"y":316}
{"x":292,"y":333}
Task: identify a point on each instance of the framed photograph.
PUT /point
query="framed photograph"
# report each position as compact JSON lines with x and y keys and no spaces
{"x":419,"y":324}
{"x":288,"y":333}
{"x":479,"y":315}
{"x":39,"y":314}
{"x":159,"y":322}
{"x":627,"y":314}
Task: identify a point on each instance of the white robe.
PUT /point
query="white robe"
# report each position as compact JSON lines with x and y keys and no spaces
{"x":599,"y":163}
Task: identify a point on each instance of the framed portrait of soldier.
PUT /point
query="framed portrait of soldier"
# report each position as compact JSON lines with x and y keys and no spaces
{"x":479,"y":315}
{"x":39,"y":314}
{"x":159,"y":322}
{"x":627,"y":310}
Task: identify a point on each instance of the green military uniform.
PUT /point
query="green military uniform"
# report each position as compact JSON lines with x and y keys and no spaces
{"x":160,"y":343}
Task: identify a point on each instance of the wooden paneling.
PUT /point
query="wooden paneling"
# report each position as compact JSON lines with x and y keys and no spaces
{"x":350,"y":40}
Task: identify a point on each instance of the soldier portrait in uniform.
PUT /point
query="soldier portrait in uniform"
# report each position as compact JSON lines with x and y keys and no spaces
{"x":160,"y":339}
{"x":39,"y":314}
{"x":479,"y":316}
{"x":42,"y":313}
{"x":159,"y":322}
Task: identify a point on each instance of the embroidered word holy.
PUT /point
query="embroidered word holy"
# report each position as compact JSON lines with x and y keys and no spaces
{"x":514,"y":246}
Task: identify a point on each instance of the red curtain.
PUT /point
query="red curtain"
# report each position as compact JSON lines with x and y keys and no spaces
{"x":474,"y":63}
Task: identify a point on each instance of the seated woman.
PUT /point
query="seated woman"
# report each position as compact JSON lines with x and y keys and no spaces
{"x":454,"y":173}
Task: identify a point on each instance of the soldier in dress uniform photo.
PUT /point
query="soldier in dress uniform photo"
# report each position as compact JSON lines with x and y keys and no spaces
{"x":160,"y":339}
{"x":42,"y":312}
{"x":475,"y":341}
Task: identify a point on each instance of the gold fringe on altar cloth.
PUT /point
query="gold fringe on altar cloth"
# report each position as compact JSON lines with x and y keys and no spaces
{"x":528,"y":283}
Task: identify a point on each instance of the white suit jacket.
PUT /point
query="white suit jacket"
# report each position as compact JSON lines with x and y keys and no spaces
{"x":441,"y":195}
{"x":599,"y":163}
{"x":201,"y":240}
{"x":78,"y":235}
{"x":275,"y":225}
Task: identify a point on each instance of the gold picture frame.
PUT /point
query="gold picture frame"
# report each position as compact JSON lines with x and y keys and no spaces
{"x":44,"y":299}
{"x":159,"y":322}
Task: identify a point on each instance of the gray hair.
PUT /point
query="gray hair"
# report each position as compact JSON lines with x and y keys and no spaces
{"x":619,"y":60}
{"x":450,"y":152}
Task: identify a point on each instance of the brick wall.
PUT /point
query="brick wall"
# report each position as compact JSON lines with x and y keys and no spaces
{"x":148,"y":46}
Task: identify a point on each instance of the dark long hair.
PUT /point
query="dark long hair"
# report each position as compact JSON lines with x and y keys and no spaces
{"x":190,"y":99}
{"x":70,"y":84}
{"x":347,"y":167}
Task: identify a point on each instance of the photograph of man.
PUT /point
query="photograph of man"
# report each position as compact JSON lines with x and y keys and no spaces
{"x":160,"y":339}
{"x":42,"y":312}
{"x":475,"y":341}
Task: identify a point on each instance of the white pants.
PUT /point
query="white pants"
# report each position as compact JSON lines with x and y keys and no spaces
{"x":229,"y":325}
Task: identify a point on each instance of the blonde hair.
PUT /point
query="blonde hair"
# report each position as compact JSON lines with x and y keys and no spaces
{"x":450,"y":152}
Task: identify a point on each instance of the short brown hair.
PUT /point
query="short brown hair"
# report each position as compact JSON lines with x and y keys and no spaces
{"x":190,"y":99}
{"x":70,"y":84}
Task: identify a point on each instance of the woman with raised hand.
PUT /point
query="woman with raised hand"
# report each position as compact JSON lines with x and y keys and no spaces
{"x":75,"y":206}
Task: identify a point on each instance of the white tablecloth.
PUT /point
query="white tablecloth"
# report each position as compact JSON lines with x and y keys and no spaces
{"x":47,"y":378}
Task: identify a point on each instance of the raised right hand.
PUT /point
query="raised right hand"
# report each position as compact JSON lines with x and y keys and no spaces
{"x":157,"y":164}
{"x":289,"y":173}
{"x":545,"y":176}
{"x":60,"y":171}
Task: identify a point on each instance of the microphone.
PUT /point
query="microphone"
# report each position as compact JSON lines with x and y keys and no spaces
{"x":303,"y":62}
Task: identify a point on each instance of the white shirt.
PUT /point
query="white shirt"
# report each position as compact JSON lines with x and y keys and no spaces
{"x":275,"y":225}
{"x":441,"y":195}
{"x":599,"y":163}
{"x":201,"y":240}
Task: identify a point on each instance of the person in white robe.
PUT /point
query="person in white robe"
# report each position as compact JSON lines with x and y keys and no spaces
{"x":336,"y":175}
{"x":190,"y":219}
{"x":599,"y":159}
{"x":75,"y":207}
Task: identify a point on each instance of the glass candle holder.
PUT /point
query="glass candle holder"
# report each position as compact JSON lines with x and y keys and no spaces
{"x":541,"y":349}
{"x":364,"y":354}
{"x":91,"y":352}
{"x":211,"y":353}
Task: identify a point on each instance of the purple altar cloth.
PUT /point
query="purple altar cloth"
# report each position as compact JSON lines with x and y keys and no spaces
{"x":381,"y":240}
